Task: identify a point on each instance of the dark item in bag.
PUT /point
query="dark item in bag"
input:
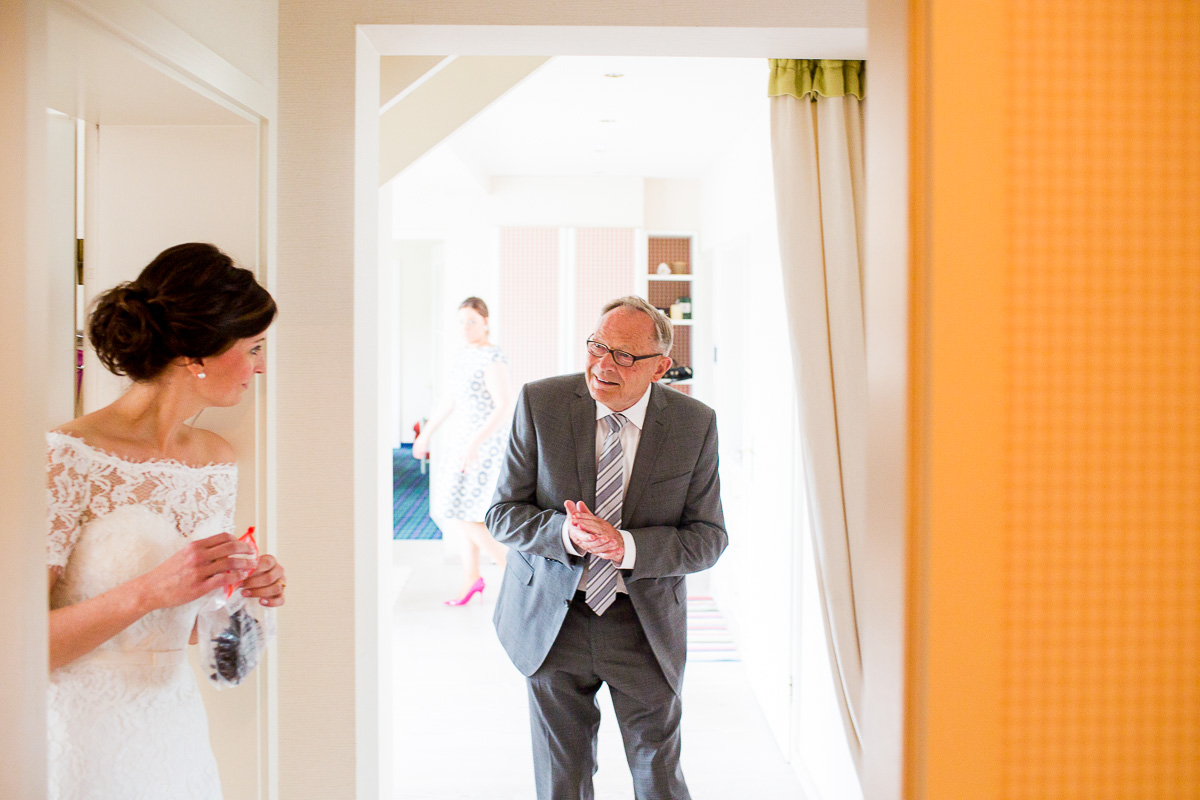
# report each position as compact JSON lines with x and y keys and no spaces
{"x":237,"y":648}
{"x":234,"y":631}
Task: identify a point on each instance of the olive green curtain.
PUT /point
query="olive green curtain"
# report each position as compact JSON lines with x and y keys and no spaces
{"x":810,"y":77}
{"x":817,"y":154}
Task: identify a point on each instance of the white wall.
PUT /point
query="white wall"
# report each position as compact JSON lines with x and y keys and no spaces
{"x":596,"y":201}
{"x":757,"y":401}
{"x":418,"y":264}
{"x":241,"y":32}
{"x":761,"y":475}
{"x":157,"y":186}
{"x":672,"y":205}
{"x":449,"y":252}
{"x":23,"y":396}
{"x":886,"y":608}
{"x":60,"y":358}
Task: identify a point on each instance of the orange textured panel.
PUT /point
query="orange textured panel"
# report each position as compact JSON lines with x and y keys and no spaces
{"x":1102,"y":651}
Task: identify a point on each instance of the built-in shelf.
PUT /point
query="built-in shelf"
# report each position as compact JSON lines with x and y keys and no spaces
{"x":676,"y":250}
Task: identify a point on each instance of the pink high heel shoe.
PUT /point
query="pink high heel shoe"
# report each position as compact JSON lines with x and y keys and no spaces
{"x":476,"y":587}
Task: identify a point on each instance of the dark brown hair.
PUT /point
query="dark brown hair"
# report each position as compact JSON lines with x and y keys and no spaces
{"x":476,"y":304}
{"x":191,"y":301}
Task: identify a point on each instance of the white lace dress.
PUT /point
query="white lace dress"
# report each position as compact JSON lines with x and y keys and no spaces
{"x":126,"y":721}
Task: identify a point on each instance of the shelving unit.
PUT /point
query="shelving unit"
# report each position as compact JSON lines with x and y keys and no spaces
{"x":663,"y":291}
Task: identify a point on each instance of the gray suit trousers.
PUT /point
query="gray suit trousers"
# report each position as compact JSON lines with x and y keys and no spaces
{"x":565,"y":718}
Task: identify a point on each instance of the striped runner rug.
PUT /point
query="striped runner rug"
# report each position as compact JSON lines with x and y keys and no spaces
{"x":708,"y":635}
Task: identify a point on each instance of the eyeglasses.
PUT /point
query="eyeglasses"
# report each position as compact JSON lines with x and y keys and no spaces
{"x":620,"y":357}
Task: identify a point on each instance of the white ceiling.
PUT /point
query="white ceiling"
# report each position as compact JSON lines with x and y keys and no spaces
{"x":663,"y":118}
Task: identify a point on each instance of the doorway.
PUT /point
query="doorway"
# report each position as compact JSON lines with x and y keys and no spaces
{"x":144,"y":157}
{"x":736,"y":249}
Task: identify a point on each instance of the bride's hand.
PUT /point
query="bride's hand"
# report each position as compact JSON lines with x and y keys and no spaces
{"x":267,"y":582}
{"x":197,"y":569}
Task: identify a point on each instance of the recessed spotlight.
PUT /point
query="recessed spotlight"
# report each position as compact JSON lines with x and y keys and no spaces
{"x":614,"y":74}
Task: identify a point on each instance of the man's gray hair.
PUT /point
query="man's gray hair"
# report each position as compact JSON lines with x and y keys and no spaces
{"x":664,"y":334}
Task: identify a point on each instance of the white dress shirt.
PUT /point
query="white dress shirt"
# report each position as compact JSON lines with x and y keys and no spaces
{"x":631,"y":435}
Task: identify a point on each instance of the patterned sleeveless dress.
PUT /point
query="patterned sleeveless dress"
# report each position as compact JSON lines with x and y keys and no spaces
{"x":467,"y":495}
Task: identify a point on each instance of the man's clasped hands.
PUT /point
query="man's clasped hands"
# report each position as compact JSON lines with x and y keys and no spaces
{"x":591,"y":534}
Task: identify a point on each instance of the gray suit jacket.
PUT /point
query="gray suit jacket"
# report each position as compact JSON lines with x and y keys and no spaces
{"x":672,"y":508}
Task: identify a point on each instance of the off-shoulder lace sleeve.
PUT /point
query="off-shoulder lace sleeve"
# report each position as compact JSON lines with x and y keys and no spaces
{"x":66,"y":497}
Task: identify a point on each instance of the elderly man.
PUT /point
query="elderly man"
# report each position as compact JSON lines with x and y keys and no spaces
{"x":608,"y":497}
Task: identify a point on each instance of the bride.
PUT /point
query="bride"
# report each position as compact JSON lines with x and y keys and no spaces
{"x":140,"y":529}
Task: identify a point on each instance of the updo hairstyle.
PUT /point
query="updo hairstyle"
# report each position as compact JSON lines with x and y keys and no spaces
{"x":190,"y":301}
{"x":475,"y":304}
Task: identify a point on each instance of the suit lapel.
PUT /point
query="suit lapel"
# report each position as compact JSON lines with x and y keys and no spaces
{"x":583,"y":425}
{"x":653,"y":431}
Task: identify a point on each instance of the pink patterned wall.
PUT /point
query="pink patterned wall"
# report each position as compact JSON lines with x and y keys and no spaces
{"x":603,"y":272}
{"x":529,"y":297}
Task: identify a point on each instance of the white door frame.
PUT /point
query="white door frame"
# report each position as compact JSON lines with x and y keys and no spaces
{"x":884,"y":772}
{"x":121,"y":32}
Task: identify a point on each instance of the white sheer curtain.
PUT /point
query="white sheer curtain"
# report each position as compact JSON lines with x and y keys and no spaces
{"x":817,"y":147}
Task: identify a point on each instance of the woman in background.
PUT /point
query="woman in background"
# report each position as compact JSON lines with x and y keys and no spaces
{"x":140,"y":525}
{"x":476,"y":413}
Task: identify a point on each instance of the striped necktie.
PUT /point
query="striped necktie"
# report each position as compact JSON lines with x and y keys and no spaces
{"x":601,"y":586}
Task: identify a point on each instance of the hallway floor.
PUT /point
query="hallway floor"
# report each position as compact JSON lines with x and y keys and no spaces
{"x":461,"y":722}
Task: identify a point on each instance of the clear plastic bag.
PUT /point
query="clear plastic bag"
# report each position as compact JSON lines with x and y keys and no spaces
{"x":233,"y":631}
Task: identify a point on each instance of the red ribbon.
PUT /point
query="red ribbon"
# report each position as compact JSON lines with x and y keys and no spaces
{"x":248,"y":536}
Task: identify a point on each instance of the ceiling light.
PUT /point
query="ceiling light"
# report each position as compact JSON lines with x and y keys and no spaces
{"x":614,"y":75}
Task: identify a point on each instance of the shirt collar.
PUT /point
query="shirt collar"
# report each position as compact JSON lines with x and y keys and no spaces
{"x":635,"y":414}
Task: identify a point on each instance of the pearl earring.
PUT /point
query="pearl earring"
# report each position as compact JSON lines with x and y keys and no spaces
{"x":200,"y":375}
